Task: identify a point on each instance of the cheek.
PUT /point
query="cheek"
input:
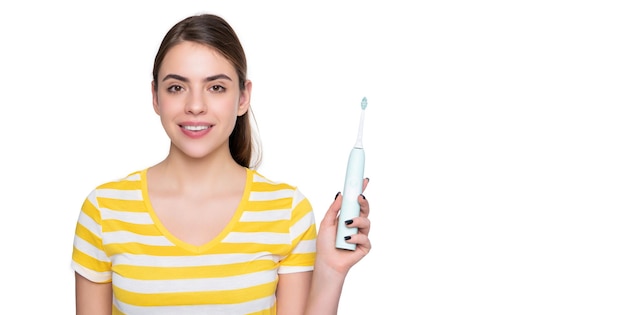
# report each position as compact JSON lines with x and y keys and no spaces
{"x":166,"y":103}
{"x":230,"y":108}
{"x":166,"y":110}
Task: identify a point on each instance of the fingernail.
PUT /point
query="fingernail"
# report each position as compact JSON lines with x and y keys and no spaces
{"x":348,"y":222}
{"x":337,"y":195}
{"x":347,"y":237}
{"x":368,"y":179}
{"x":363,"y":197}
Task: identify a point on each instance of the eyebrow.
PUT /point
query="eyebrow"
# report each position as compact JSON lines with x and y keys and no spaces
{"x":207,"y":79}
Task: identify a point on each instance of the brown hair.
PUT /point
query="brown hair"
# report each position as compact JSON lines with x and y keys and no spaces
{"x":214,"y":31}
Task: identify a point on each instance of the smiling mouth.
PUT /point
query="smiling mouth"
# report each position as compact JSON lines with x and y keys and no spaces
{"x":195,"y":128}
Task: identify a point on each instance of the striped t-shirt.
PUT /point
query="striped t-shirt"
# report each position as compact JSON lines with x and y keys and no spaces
{"x":119,"y":239}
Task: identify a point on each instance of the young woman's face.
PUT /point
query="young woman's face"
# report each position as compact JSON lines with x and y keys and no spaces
{"x":198,"y":99}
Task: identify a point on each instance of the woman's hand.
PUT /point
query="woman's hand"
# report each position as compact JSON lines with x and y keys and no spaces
{"x":341,"y":260}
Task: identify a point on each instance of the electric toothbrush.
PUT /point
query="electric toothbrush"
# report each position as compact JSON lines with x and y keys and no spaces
{"x":353,"y":187}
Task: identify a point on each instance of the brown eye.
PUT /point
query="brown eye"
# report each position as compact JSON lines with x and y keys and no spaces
{"x":217,"y":88}
{"x":175,"y":89}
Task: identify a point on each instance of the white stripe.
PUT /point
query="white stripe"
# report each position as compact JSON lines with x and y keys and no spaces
{"x":265,"y":216}
{"x":88,"y":223}
{"x":297,"y":197}
{"x":120,"y":194}
{"x":92,"y":199}
{"x":128,"y":237}
{"x":94,"y":276}
{"x":89,"y":249}
{"x":302,"y":225}
{"x":194,"y":285}
{"x":126,"y":216}
{"x":305,"y":247}
{"x":271,"y":195}
{"x":133,"y":178}
{"x":292,"y":269}
{"x":191,"y":261}
{"x":215,"y":309}
{"x":260,"y":179}
{"x":257,"y":237}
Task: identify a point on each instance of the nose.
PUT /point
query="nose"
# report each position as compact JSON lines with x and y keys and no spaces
{"x":196,"y":104}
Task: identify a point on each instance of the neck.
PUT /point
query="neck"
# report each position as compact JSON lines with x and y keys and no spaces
{"x":183,"y":173}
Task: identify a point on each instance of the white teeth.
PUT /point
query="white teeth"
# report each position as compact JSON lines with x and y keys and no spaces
{"x":196,"y":128}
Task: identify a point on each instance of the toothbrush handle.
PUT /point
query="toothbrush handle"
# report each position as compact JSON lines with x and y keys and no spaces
{"x":352,"y":188}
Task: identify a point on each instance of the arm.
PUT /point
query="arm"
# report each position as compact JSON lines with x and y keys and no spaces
{"x":332,"y":264}
{"x":292,"y":292}
{"x":93,"y":298}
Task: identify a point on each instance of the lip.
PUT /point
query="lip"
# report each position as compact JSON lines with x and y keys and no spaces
{"x":194,"y":129}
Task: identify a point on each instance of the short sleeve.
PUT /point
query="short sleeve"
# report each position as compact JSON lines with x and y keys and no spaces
{"x":303,"y":233}
{"x":88,"y":256}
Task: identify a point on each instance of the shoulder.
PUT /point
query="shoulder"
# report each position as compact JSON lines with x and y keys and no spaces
{"x":263,"y":183}
{"x":257,"y":177}
{"x":117,"y":187}
{"x":263,"y":188}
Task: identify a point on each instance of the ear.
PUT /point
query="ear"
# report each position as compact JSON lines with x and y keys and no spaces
{"x":155,"y":99}
{"x":244,"y":98}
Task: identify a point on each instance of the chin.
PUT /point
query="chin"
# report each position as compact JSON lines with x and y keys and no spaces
{"x":197,"y":154}
{"x":199,"y":151}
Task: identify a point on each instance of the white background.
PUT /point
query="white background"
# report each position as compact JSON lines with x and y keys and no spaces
{"x":494,"y":139}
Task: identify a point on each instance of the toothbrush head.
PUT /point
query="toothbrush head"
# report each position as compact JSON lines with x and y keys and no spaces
{"x":364,"y":103}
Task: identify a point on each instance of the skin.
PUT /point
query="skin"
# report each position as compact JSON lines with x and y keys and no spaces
{"x":332,"y":264}
{"x":197,"y":85}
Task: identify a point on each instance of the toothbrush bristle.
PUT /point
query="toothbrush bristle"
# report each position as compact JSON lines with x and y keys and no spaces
{"x":364,"y":103}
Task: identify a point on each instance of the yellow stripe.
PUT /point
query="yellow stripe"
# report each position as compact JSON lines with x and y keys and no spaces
{"x":262,"y":186}
{"x":276,"y":204}
{"x":142,"y":249}
{"x":174,"y":273}
{"x":281,"y":226}
{"x":90,"y":262}
{"x":196,"y":298}
{"x":243,"y":248}
{"x":300,"y":260}
{"x":300,"y":210}
{"x":122,"y":205}
{"x":91,"y":211}
{"x":89,"y":237}
{"x":310,"y":234}
{"x":122,"y":185}
{"x":116,"y":311}
{"x":272,"y":310}
{"x":141,"y":229}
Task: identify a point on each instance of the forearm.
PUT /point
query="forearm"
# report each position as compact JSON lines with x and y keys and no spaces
{"x":332,"y":265}
{"x":325,"y":292}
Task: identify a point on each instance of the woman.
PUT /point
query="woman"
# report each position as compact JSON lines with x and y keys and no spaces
{"x":202,"y":232}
